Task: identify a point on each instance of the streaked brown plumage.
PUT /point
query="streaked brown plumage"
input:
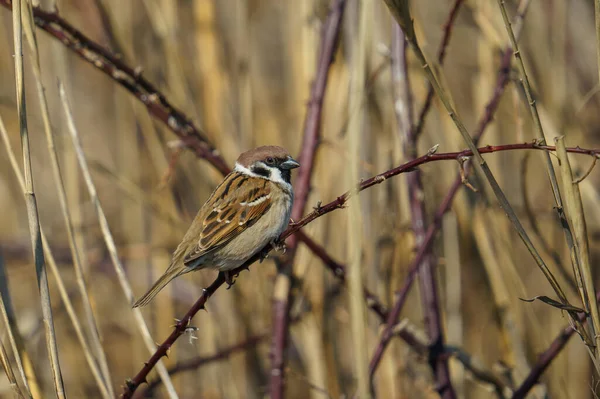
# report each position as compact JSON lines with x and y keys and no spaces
{"x":250,"y":208}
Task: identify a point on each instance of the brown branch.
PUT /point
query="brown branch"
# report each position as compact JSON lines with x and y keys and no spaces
{"x":131,"y":79}
{"x":312,"y":129}
{"x":441,"y":55}
{"x":338,"y":203}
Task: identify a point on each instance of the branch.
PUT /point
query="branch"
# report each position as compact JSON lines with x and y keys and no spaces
{"x":441,"y":55}
{"x":490,"y":110}
{"x":319,"y":211}
{"x":131,"y":80}
{"x":546,"y":358}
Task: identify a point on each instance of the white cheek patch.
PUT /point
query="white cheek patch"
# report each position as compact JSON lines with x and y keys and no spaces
{"x":245,"y":170}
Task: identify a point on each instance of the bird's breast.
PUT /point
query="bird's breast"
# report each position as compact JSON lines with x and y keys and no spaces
{"x":255,"y":237}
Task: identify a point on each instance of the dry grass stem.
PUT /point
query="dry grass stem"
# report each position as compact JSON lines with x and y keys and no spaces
{"x":406,"y":22}
{"x":11,"y":330}
{"x":166,"y":94}
{"x":30,"y":200}
{"x":110,"y":243}
{"x":10,"y":375}
{"x":104,"y":382}
{"x":62,"y":288}
{"x":574,"y":211}
{"x":552,"y":176}
{"x":355,"y":219}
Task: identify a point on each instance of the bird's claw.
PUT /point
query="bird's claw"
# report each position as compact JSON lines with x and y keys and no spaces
{"x":229,"y":278}
{"x":264,"y":254}
{"x":279,"y":246}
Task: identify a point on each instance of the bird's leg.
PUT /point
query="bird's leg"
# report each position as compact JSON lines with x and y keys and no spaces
{"x":264,"y":254}
{"x":229,"y":278}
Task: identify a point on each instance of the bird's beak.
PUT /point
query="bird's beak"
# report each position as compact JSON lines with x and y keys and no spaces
{"x":290,"y":163}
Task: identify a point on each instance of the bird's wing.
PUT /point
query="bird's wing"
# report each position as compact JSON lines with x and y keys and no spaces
{"x":236,"y":204}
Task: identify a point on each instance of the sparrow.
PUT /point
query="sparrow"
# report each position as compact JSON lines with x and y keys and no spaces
{"x":249,"y":209}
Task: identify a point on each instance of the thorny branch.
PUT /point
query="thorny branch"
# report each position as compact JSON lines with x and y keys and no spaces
{"x":194,"y":139}
{"x":132,"y":80}
{"x":416,"y":130}
{"x":338,"y":203}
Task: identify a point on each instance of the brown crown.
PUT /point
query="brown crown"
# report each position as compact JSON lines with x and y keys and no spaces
{"x":261,"y":153}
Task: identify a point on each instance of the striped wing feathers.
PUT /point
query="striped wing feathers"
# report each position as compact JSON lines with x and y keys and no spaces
{"x":236,"y":204}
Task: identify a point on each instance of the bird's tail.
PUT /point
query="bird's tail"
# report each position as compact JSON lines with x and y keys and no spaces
{"x":169,"y":275}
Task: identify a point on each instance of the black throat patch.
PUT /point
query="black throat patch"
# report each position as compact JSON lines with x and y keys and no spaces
{"x":286,"y":175}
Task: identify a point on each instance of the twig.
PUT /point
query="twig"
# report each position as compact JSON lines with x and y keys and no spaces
{"x":338,"y":203}
{"x":490,"y":109}
{"x":310,"y":142}
{"x":545,"y":359}
{"x":131,"y":79}
{"x":103,"y":380}
{"x":569,"y":237}
{"x":587,"y":172}
{"x":574,"y":208}
{"x":110,"y":243}
{"x":115,"y":68}
{"x":32,"y":210}
{"x":478,"y":370}
{"x":180,"y":328}
{"x":441,"y":55}
{"x":401,"y":12}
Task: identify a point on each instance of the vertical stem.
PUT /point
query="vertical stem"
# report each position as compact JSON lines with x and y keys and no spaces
{"x":104,"y":382}
{"x":595,"y":325}
{"x":427,"y":276}
{"x":310,"y":141}
{"x":14,"y":338}
{"x":356,"y":128}
{"x":110,"y":242}
{"x":32,"y":211}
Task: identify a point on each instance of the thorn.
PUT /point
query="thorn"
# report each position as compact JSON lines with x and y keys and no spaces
{"x":433,"y":150}
{"x":137,"y":72}
{"x":318,"y":207}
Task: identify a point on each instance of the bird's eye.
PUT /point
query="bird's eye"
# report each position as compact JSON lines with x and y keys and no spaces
{"x":270,"y":160}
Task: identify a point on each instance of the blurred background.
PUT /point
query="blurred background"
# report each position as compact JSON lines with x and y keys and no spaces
{"x":242,"y":71}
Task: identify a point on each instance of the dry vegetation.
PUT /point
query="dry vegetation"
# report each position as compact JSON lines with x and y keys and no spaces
{"x":242,"y":71}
